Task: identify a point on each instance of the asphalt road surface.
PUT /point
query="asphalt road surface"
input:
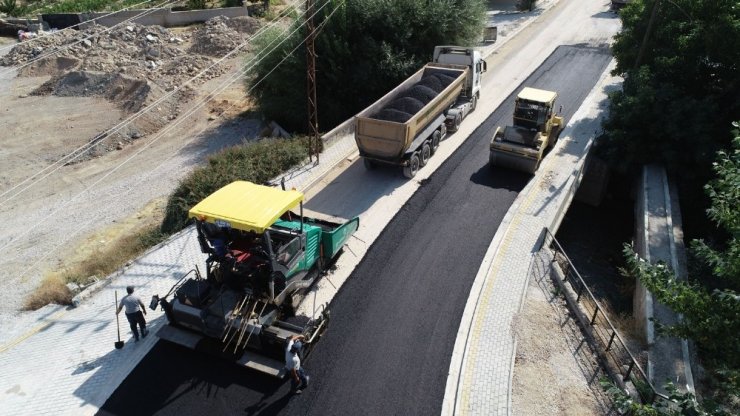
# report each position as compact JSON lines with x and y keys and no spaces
{"x":394,"y":322}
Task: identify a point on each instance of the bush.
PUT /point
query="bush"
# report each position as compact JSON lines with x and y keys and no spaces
{"x":197,"y":4}
{"x":51,"y":290}
{"x":256,"y":162}
{"x":12,"y":8}
{"x":364,"y":50}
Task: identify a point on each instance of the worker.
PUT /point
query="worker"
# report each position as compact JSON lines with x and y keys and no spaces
{"x":135,"y":311}
{"x":216,"y":237}
{"x":298,"y":377}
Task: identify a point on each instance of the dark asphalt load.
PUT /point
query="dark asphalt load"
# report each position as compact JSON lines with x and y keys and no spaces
{"x":394,"y":322}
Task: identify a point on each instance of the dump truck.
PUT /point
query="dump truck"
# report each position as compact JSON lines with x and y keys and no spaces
{"x":536,"y":127}
{"x":404,"y":127}
{"x":261,"y":260}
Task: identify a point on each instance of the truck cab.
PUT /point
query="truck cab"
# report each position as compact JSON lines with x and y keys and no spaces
{"x":457,"y":55}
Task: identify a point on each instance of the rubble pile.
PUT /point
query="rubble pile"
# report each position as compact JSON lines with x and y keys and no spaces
{"x":415,"y":98}
{"x":221,"y":35}
{"x":150,"y":53}
{"x":132,"y":66}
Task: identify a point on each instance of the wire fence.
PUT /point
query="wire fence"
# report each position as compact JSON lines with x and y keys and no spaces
{"x":611,"y":345}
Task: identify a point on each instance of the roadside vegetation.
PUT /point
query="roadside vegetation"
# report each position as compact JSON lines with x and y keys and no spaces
{"x":680,"y":96}
{"x":395,"y":39}
{"x":364,"y":49}
{"x":101,"y":263}
{"x":256,"y":162}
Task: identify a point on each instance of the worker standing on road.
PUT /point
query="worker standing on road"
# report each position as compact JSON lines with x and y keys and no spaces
{"x":298,"y":377}
{"x":135,"y":311}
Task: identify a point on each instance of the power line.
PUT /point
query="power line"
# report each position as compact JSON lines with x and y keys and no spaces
{"x":80,"y":151}
{"x":159,"y":135}
{"x":49,"y":252}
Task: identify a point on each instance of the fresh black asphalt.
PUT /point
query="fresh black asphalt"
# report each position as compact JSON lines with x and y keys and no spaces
{"x":394,"y":322}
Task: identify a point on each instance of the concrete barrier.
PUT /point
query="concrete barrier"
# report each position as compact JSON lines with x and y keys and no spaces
{"x":659,"y":237}
{"x":161,"y":17}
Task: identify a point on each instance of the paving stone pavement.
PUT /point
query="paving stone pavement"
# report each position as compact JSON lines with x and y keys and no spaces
{"x":482,"y":364}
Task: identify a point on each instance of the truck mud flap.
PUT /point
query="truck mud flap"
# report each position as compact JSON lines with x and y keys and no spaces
{"x":262,"y":364}
{"x":178,"y":336}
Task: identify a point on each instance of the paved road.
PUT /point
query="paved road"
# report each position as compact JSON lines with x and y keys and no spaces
{"x":395,"y":320}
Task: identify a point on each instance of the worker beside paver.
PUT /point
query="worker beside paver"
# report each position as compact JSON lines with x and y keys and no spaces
{"x":135,"y":311}
{"x":298,"y":377}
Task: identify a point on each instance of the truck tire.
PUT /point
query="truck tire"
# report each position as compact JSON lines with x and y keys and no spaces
{"x":426,"y":153}
{"x":436,"y":137}
{"x":369,"y":164}
{"x":413,"y":166}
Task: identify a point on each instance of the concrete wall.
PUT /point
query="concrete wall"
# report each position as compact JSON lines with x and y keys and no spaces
{"x":659,"y":238}
{"x":163,"y":17}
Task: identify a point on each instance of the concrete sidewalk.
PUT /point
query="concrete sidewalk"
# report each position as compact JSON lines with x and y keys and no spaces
{"x":61,"y":360}
{"x":482,"y":364}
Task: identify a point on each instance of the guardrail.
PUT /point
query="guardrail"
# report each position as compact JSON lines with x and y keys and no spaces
{"x":610,"y":344}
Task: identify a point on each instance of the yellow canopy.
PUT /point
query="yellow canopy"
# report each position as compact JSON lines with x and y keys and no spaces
{"x":537,"y":95}
{"x":245,"y":206}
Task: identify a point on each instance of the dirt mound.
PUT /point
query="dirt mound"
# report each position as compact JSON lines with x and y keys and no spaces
{"x":415,"y":98}
{"x":150,"y":53}
{"x":49,"y":66}
{"x":444,"y":79}
{"x":221,"y":35}
{"x":432,"y":83}
{"x":407,"y":105}
{"x":422,"y":93}
{"x":128,"y":93}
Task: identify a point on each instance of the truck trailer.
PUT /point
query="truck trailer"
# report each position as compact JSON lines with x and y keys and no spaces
{"x":261,"y":260}
{"x":404,"y":127}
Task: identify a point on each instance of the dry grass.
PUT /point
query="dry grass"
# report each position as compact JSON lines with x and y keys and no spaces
{"x":51,"y":290}
{"x":106,"y":260}
{"x":100,"y":256}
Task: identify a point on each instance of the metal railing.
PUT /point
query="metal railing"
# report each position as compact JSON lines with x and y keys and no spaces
{"x":610,"y":344}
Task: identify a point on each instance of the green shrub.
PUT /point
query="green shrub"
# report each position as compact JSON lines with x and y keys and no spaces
{"x":255,"y":162}
{"x":197,"y":4}
{"x":231,"y":3}
{"x":12,"y":8}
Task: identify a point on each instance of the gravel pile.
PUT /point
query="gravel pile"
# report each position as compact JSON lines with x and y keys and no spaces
{"x":415,"y":98}
{"x":221,"y":34}
{"x":150,"y":53}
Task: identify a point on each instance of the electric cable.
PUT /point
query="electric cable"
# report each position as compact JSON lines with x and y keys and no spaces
{"x":180,"y":120}
{"x":80,"y":151}
{"x":65,"y":46}
{"x":193,"y":137}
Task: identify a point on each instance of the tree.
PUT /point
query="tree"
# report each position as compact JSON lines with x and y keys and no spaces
{"x":364,"y":49}
{"x":674,"y":107}
{"x":678,"y":404}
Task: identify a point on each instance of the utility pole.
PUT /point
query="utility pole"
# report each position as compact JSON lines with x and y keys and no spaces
{"x":649,"y":29}
{"x":313,"y":122}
